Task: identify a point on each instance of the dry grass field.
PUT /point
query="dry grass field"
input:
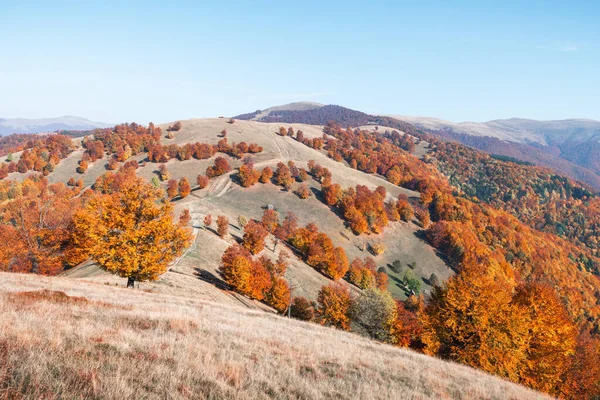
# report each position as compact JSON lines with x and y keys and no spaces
{"x":62,"y":338}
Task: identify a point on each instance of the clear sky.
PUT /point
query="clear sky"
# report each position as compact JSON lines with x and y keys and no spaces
{"x":159,"y":61}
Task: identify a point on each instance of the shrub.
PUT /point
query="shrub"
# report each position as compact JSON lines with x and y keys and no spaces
{"x":202,"y":181}
{"x":303,"y":192}
{"x":377,"y":248}
{"x":302,"y":309}
{"x":175,"y":127}
{"x":222,"y":225}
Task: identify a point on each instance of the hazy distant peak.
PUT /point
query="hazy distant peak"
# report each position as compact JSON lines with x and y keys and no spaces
{"x":41,"y":125}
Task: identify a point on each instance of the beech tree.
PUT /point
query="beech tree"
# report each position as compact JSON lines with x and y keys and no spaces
{"x":266,"y":175}
{"x":373,"y":314}
{"x":302,"y":309}
{"x":131,"y":232}
{"x":184,"y":187}
{"x":334,"y":302}
{"x":254,"y":237}
{"x":35,"y":229}
{"x":222,"y":225}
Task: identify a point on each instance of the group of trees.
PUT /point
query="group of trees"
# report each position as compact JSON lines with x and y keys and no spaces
{"x":42,"y":156}
{"x":495,"y":255}
{"x":201,"y":151}
{"x":258,"y":278}
{"x":125,"y":226}
{"x":181,"y":188}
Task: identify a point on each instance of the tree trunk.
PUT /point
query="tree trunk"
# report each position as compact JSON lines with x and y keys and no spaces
{"x":130,"y":282}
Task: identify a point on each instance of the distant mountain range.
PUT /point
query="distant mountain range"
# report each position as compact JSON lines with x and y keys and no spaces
{"x":570,"y":147}
{"x":22,"y":125}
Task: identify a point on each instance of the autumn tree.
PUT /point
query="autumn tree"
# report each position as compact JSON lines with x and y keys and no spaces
{"x":175,"y":127}
{"x":184,"y":187}
{"x":185,"y":217}
{"x":373,"y":314}
{"x":266,"y":175}
{"x":208,"y":221}
{"x":131,"y":232}
{"x":172,"y":188}
{"x":220,"y":167}
{"x":282,"y":176}
{"x":278,"y":296}
{"x":202,"y":181}
{"x":36,"y":227}
{"x":407,"y":328}
{"x":163,"y":173}
{"x":303,"y":192}
{"x":472,"y":320}
{"x":236,"y":268}
{"x":248,"y":176}
{"x":222,"y":225}
{"x":302,"y":309}
{"x":334,"y":304}
{"x":270,"y":220}
{"x":254,"y":237}
{"x":332,"y":194}
{"x":551,"y":337}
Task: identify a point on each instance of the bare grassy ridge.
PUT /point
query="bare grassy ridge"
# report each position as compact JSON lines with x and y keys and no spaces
{"x":85,"y":340}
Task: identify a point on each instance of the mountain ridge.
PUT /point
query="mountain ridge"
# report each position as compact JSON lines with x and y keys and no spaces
{"x":9,"y":126}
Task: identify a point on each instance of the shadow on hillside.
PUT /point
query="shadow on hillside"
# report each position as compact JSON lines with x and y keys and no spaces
{"x":209,"y":277}
{"x":319,"y":196}
{"x":399,"y":283}
{"x":421,"y":234}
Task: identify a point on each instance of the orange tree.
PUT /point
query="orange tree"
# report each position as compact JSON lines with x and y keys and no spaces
{"x":35,"y":229}
{"x":334,"y":303}
{"x":131,"y":232}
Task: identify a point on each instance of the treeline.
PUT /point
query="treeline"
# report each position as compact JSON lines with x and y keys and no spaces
{"x":336,"y":114}
{"x":162,"y":153}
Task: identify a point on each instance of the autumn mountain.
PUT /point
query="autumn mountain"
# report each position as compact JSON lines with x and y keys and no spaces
{"x":367,"y":223}
{"x":570,"y":147}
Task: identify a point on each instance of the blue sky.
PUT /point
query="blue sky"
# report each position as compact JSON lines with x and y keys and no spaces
{"x":156,"y":61}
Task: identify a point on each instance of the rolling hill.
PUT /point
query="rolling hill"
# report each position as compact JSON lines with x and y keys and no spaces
{"x":466,"y":220}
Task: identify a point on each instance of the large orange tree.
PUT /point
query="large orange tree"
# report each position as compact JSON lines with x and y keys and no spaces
{"x":131,"y":232}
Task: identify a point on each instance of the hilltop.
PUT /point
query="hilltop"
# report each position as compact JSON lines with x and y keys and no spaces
{"x":570,"y":147}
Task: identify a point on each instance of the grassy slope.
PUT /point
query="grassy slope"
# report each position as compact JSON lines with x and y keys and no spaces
{"x":196,"y":273}
{"x":114,"y":343}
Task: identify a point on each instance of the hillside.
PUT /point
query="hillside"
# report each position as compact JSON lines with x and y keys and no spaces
{"x":571,"y":147}
{"x":86,"y":340}
{"x":223,"y":197}
{"x":391,"y":233}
